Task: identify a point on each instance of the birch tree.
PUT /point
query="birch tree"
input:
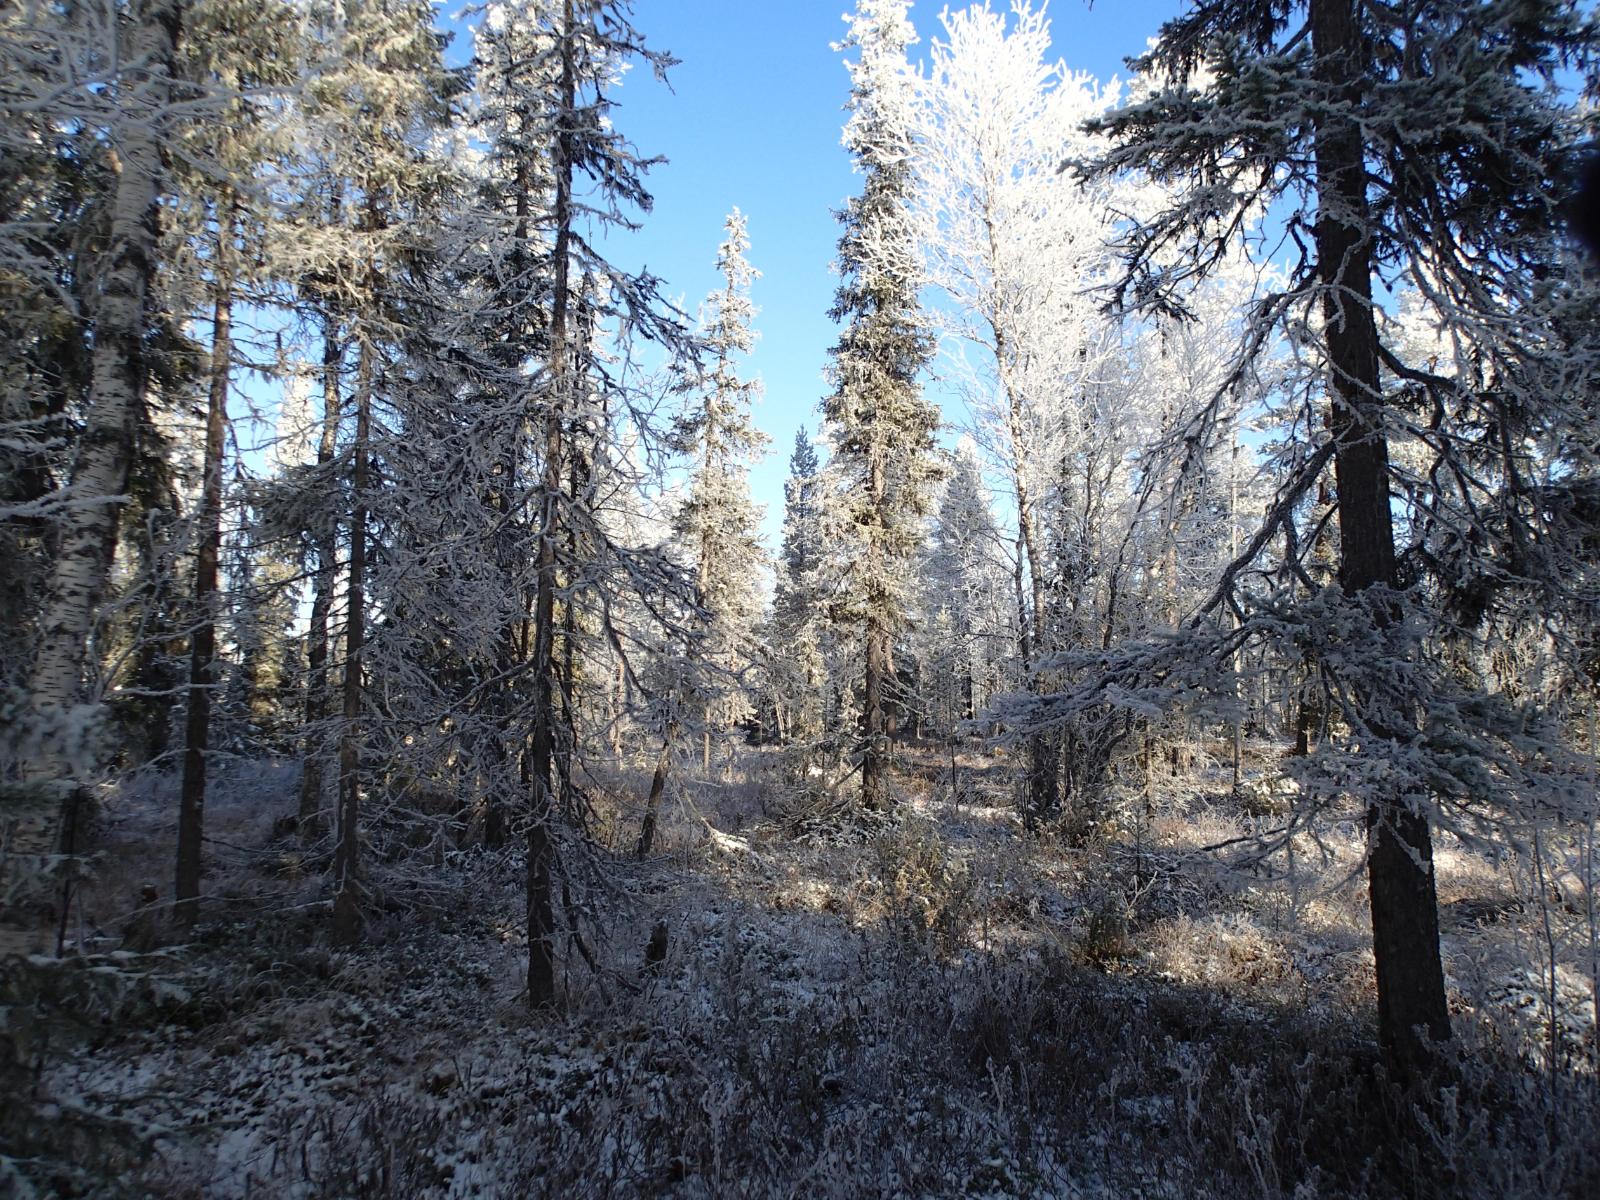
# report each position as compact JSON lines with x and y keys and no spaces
{"x":55,"y":184}
{"x":1017,"y":250}
{"x":133,"y":108}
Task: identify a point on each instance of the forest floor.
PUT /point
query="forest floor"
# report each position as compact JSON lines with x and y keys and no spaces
{"x":949,"y":1007}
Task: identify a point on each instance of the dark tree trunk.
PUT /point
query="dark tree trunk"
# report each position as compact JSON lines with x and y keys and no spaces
{"x":577,"y":475}
{"x":1044,"y":782}
{"x":541,"y":846}
{"x":203,"y":641}
{"x":875,"y":753}
{"x":614,"y":730}
{"x":347,"y":837}
{"x":1405,"y":916}
{"x":658,"y":787}
{"x":1308,"y":720}
{"x":494,"y":820}
{"x":316,"y":707}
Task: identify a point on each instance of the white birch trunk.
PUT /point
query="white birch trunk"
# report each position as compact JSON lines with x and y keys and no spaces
{"x":99,"y":479}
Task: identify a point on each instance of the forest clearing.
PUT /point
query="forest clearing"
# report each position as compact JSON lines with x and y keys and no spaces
{"x":951,"y":1007}
{"x":1145,"y":744}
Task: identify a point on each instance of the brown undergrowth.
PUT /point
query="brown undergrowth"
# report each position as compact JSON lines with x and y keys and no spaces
{"x":940,"y":1006}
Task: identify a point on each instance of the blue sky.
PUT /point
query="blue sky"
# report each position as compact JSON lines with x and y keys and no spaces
{"x":751,"y":117}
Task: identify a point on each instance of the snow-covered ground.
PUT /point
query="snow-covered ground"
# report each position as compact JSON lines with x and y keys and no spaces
{"x":948,"y":1007}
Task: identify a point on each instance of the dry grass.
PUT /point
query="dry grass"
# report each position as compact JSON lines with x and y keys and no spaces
{"x":944,"y":1007}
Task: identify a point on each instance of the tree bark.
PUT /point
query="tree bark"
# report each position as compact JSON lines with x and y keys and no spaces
{"x":658,"y":787}
{"x":327,"y":546}
{"x":875,"y":754}
{"x":614,"y":731}
{"x":541,"y":846}
{"x":203,"y":640}
{"x":347,"y":825}
{"x":1044,"y":785}
{"x":99,"y":479}
{"x":1412,"y":1009}
{"x":1235,"y":660}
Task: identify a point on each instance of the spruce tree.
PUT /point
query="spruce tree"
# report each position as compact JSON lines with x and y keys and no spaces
{"x":964,"y":613}
{"x":795,"y":647}
{"x":717,"y":521}
{"x":546,"y":299}
{"x":1416,"y":144}
{"x":239,"y":60}
{"x":377,"y":91}
{"x":715,"y":524}
{"x":879,"y":425}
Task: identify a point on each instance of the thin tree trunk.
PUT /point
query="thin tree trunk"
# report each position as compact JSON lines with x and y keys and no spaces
{"x":541,"y":847}
{"x":704,"y":565}
{"x":1235,"y":663}
{"x":1044,"y":782}
{"x":1412,"y":1010}
{"x":615,"y":731}
{"x":503,"y":746}
{"x":875,"y":756}
{"x":500,"y":745}
{"x":203,"y":640}
{"x":491,"y":783}
{"x":99,"y":479}
{"x":658,"y":786}
{"x":569,"y":634}
{"x":1043,"y":787}
{"x":327,"y":547}
{"x":1591,"y":908}
{"x":1309,"y":720}
{"x":347,"y":836}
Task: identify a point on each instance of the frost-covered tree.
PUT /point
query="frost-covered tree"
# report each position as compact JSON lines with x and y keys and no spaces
{"x":1017,"y":250}
{"x":879,"y":425}
{"x":55,"y":180}
{"x":264,"y":689}
{"x":1417,"y":144}
{"x":554,"y":320}
{"x":965,"y":632}
{"x":796,"y":663}
{"x":717,"y":520}
{"x":715,"y":524}
{"x":376,"y":92}
{"x":107,"y":76}
{"x":1196,"y":499}
{"x":223,"y":222}
{"x":361,"y":197}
